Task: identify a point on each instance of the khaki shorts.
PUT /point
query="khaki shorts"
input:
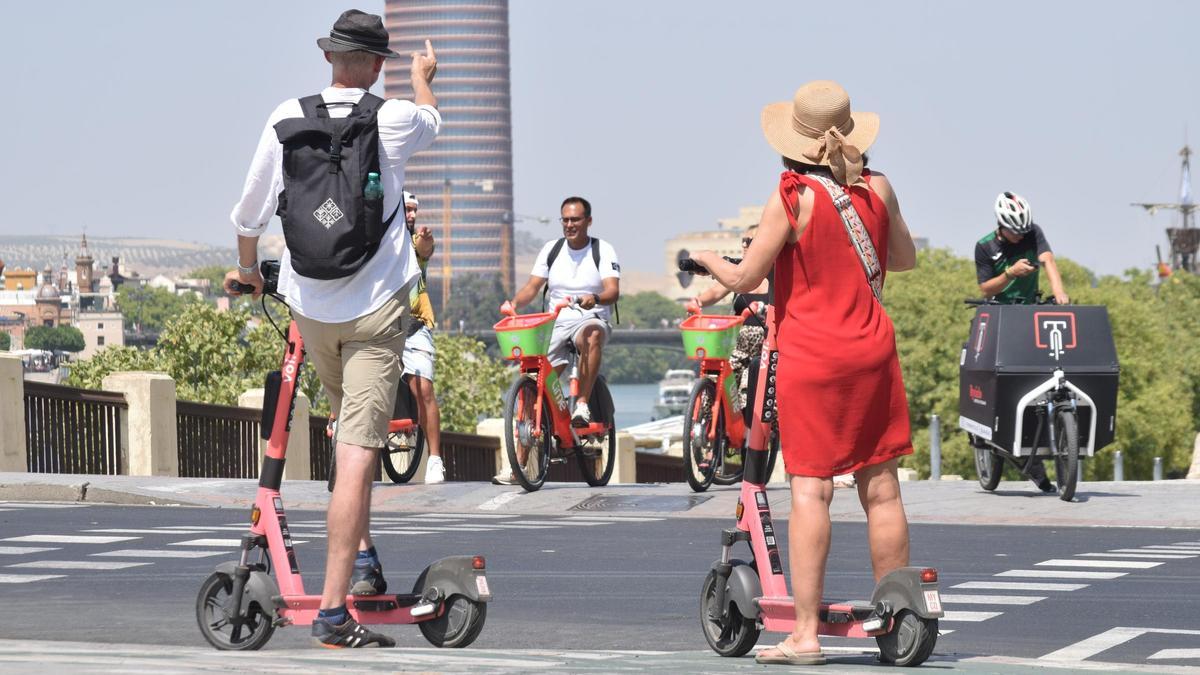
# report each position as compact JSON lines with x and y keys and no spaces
{"x":359,"y":363}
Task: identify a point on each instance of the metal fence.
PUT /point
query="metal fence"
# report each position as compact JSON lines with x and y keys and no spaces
{"x":658,"y":468}
{"x":217,"y":441}
{"x":320,"y":448}
{"x":69,"y":430}
{"x":469,"y":457}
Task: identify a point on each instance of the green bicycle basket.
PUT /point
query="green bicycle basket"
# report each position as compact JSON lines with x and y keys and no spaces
{"x":710,"y":336}
{"x":526,"y":335}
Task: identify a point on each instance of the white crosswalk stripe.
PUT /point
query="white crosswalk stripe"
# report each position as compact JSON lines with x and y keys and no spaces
{"x":135,"y":531}
{"x":955,"y":615}
{"x":1155,"y":556}
{"x":1061,"y":574}
{"x":68,"y":539}
{"x":158,"y":553}
{"x":1017,"y":586}
{"x":1118,"y":564}
{"x":26,"y":578}
{"x":25,"y":550}
{"x":953,"y":599}
{"x":80,"y":564}
{"x":226,"y":543}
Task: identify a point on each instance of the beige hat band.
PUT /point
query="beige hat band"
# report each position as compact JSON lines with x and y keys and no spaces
{"x":815,"y":133}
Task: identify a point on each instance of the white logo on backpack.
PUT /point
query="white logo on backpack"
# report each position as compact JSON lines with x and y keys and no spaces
{"x":328,"y":214}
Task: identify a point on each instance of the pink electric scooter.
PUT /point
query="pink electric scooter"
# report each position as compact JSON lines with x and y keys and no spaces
{"x":240,"y":604}
{"x":740,"y":599}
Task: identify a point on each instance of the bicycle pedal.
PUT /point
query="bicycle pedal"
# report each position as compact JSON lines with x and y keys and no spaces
{"x":558,"y":460}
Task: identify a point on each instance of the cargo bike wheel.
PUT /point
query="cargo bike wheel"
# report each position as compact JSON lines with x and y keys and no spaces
{"x":988,"y":465}
{"x":1066,"y":453}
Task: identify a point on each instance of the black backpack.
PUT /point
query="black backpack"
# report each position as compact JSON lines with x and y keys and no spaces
{"x":595,"y":259}
{"x":331,"y":229}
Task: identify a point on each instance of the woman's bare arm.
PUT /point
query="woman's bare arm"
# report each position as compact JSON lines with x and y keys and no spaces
{"x":773,"y":232}
{"x":902,"y":253}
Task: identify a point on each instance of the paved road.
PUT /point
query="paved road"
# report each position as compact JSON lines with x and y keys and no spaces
{"x":593,"y":586}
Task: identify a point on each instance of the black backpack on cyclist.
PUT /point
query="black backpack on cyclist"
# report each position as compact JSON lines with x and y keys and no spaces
{"x":554,"y":251}
{"x":331,"y":229}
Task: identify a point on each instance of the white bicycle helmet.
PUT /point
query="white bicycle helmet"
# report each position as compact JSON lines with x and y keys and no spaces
{"x":1013,"y":213}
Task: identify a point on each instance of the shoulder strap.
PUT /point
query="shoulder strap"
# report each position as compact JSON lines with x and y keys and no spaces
{"x":313,"y":106}
{"x":369,"y":103}
{"x":596,"y":253}
{"x":550,"y":263}
{"x":857,"y":233}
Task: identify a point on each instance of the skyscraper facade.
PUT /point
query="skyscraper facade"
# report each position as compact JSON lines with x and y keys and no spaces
{"x":469,"y":166}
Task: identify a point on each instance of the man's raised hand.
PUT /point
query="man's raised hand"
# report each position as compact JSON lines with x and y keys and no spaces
{"x":424,"y":66}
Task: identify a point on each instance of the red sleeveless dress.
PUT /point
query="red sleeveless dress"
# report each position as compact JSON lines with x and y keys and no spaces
{"x":841,"y":397}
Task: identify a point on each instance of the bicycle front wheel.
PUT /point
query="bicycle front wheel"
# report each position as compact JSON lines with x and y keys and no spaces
{"x":402,"y":454}
{"x":597,"y":454}
{"x":1066,"y":455}
{"x":527,"y":443}
{"x":700,"y":455}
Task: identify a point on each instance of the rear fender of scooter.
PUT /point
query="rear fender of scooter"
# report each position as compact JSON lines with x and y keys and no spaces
{"x":455,"y":575}
{"x":903,"y":589}
{"x":260,"y":588}
{"x":744,"y":587}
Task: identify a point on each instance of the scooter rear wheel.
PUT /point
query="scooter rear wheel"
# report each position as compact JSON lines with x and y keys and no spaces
{"x":458,"y":626}
{"x":245,"y":634}
{"x":910,"y":641}
{"x":732,"y":634}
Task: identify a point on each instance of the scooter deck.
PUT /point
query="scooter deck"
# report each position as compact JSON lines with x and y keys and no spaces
{"x":778,"y":614}
{"x":367,"y":609}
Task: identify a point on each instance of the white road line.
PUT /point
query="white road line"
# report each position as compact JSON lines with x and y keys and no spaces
{"x":952,"y":599}
{"x":158,"y":553}
{"x":460,"y":516}
{"x":205,"y":528}
{"x":627,"y":519}
{"x":1017,"y":586}
{"x":1167,"y":551}
{"x":1107,"y":640}
{"x":132,"y":531}
{"x":499,"y":500}
{"x":27,"y":578}
{"x":1187,"y":543}
{"x":1176,"y":654}
{"x":80,"y":564}
{"x":1155,"y":556}
{"x":22,"y":550}
{"x":375,"y":532}
{"x":558,"y":523}
{"x":1189,"y":548}
{"x":953,"y":615}
{"x":1118,"y":564}
{"x":234,"y":543}
{"x":68,"y":539}
{"x":1061,"y":574}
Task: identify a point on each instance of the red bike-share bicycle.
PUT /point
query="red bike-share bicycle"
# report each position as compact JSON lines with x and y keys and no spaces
{"x":241,"y":604}
{"x":714,"y":429}
{"x":740,"y":599}
{"x":537,"y":417}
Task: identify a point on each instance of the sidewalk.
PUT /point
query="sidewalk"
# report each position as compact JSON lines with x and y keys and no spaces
{"x":1098,"y":504}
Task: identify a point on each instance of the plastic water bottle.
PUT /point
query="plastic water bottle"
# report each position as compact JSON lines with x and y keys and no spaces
{"x":374,"y":189}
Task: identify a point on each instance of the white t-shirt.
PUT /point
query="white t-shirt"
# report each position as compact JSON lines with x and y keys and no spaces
{"x":575,"y":274}
{"x":404,"y":128}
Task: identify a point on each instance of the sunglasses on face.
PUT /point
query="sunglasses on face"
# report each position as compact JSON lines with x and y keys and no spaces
{"x":746,"y":241}
{"x":571,"y":220}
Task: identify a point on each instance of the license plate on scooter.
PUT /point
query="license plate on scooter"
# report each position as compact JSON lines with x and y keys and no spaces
{"x":933,"y":601}
{"x":481,"y":585}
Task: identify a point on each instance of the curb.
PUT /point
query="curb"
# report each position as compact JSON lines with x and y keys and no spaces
{"x":82,"y":492}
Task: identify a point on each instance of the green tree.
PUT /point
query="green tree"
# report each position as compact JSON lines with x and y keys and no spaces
{"x":55,"y":338}
{"x":150,"y":308}
{"x":215,"y":275}
{"x":90,"y":373}
{"x":470,"y":384}
{"x":475,"y":300}
{"x":5,"y":341}
{"x":648,"y":310}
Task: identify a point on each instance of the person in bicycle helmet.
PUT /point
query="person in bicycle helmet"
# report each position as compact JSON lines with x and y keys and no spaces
{"x":1007,"y":258}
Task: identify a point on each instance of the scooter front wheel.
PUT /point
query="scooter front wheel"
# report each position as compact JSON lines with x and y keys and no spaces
{"x":725,"y":629}
{"x":216,"y":614}
{"x":910,"y":641}
{"x":460,"y":623}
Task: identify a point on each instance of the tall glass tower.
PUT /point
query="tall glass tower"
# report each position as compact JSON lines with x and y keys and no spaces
{"x":464,"y":180}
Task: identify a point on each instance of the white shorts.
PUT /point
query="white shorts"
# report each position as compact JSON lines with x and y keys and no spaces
{"x":565,"y":331}
{"x":418,"y":354}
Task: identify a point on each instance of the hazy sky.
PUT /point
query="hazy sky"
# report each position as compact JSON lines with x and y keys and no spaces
{"x":139,"y":118}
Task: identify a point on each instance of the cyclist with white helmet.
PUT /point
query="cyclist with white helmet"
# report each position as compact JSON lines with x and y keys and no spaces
{"x":1006,"y":267}
{"x":1007,"y":259}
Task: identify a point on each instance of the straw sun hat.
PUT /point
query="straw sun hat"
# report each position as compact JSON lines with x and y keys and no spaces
{"x":818,"y":127}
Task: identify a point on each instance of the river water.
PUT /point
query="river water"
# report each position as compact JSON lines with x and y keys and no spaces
{"x":634,"y":403}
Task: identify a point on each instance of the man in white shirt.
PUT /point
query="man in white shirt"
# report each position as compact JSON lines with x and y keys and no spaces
{"x":590,"y":278}
{"x":353,"y":326}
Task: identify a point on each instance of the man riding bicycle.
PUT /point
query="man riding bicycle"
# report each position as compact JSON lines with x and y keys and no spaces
{"x":1006,"y":265}
{"x":585,"y":269}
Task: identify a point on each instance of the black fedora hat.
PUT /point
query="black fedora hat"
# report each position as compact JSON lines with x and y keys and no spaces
{"x":357,"y":31}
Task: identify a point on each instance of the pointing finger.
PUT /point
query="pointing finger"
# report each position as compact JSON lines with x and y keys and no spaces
{"x":429,"y":49}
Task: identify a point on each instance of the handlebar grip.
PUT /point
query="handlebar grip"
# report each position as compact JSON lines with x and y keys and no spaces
{"x":242,"y":288}
{"x":692,"y":267}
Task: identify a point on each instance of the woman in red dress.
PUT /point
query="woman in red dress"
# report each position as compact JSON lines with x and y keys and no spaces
{"x":842,"y":407}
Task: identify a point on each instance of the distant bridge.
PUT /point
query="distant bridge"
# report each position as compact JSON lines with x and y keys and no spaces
{"x":620,"y":336}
